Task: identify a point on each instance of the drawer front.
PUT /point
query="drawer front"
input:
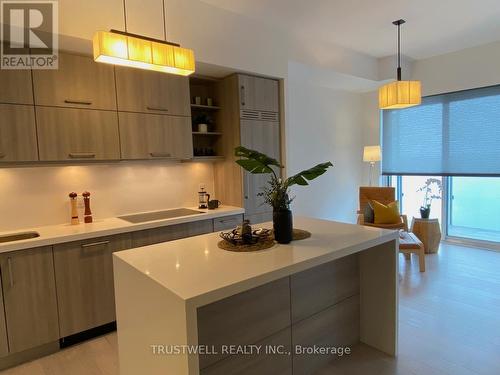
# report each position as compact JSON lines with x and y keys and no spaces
{"x":244,"y":319}
{"x":84,"y":280}
{"x":262,"y":363}
{"x":335,"y":326}
{"x":227,"y":222}
{"x":78,"y":82}
{"x":77,"y":134}
{"x":171,"y":232}
{"x":332,"y":282}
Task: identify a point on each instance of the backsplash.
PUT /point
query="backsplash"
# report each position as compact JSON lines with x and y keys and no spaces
{"x":39,"y":196}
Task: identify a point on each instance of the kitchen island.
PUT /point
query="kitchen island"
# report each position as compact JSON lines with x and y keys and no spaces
{"x":187,"y":307}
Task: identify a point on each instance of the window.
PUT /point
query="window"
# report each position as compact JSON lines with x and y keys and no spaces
{"x":474,"y":208}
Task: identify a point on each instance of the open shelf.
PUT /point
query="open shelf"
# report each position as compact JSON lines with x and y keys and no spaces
{"x":205,"y":107}
{"x":207,"y":133}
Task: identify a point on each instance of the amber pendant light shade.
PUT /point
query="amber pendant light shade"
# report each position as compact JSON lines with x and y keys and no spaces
{"x":400,"y":94}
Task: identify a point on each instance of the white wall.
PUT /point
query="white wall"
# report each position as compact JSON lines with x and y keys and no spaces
{"x":39,"y":196}
{"x":325,"y":125}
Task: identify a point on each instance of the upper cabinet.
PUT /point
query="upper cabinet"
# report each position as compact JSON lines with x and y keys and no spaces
{"x":79,"y":82}
{"x":145,"y":136}
{"x":77,"y":134}
{"x":152,"y":92}
{"x":258,"y":94}
{"x":16,"y":87}
{"x":17,"y":133}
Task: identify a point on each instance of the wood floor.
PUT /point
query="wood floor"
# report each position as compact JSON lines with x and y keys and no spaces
{"x":449,"y":325}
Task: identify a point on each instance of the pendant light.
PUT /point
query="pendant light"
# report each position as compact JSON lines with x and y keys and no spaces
{"x":400,"y":94}
{"x":137,"y":51}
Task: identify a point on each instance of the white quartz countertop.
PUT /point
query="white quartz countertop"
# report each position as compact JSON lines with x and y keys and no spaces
{"x":198,"y":272}
{"x":53,"y":234}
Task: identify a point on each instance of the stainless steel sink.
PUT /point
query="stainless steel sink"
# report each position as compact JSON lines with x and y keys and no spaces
{"x":18,"y":236}
{"x":159,"y":215}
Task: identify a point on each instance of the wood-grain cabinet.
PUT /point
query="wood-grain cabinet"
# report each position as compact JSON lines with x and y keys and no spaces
{"x":84,"y":282}
{"x":29,"y":296}
{"x":152,"y":92}
{"x":17,"y":133}
{"x":77,"y":134}
{"x":78,"y":82}
{"x":151,"y":136}
{"x":258,"y":94}
{"x":16,"y":87}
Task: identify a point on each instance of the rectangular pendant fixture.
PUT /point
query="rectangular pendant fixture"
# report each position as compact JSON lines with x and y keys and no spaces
{"x":136,"y":51}
{"x":400,"y":94}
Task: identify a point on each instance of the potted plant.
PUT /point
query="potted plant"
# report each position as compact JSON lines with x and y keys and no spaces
{"x":425,"y":208}
{"x":276,"y":193}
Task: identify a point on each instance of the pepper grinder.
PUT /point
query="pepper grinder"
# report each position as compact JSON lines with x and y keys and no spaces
{"x":87,"y":216}
{"x":74,"y":210}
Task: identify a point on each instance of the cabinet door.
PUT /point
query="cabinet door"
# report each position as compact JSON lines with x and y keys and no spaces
{"x":78,"y":82}
{"x":4,"y":343}
{"x":30,"y":298}
{"x":77,"y":134}
{"x":17,"y":133}
{"x":145,"y":136}
{"x":16,"y":86}
{"x":171,"y":233}
{"x":260,"y":94}
{"x":227,"y":222}
{"x":152,"y":92}
{"x":261,"y":136}
{"x":84,"y":280}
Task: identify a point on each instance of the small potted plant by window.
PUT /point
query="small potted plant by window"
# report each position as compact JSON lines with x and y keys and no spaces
{"x":277,"y":193}
{"x":428,"y":188}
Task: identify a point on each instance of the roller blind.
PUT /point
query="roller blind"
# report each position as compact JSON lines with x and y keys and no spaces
{"x":455,"y":134}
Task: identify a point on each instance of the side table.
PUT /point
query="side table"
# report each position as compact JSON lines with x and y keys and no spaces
{"x":429,"y":232}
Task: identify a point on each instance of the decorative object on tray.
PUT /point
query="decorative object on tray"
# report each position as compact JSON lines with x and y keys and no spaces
{"x":430,"y":194}
{"x":276,"y":194}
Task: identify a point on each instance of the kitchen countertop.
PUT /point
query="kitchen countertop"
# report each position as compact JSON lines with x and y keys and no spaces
{"x":54,"y":234}
{"x":199,"y":272}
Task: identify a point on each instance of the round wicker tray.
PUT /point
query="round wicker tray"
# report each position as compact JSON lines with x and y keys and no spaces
{"x":298,"y":234}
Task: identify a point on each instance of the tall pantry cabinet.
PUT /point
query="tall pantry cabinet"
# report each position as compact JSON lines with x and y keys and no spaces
{"x":250,"y":119}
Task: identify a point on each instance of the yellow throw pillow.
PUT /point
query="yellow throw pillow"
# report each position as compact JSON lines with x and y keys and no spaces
{"x":386,"y":214}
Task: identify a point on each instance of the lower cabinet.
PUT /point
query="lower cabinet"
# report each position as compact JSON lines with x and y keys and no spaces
{"x":227,"y":222}
{"x":84,"y":280}
{"x":171,"y":232}
{"x":29,"y":295}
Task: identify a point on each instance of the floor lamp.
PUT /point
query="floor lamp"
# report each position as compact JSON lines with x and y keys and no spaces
{"x":371,"y":154}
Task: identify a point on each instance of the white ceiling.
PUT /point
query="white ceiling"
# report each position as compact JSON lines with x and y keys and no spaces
{"x":433,"y":27}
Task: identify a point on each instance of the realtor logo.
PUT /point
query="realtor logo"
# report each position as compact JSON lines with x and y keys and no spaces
{"x":29,"y":34}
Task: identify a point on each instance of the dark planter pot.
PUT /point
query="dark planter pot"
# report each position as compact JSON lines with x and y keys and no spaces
{"x":425,"y":212}
{"x":283,"y":226}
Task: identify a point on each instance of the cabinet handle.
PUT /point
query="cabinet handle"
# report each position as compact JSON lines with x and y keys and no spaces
{"x":81,"y":155}
{"x":157,"y":109}
{"x":242,"y":90}
{"x":94,"y":244}
{"x":160,"y":154}
{"x":11,"y":277}
{"x":68,"y":101}
{"x":2,"y":155}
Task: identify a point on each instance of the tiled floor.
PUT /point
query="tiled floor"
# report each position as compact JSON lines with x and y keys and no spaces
{"x":449,"y":325}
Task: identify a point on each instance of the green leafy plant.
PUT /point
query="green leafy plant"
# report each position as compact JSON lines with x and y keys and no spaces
{"x":276,"y":193}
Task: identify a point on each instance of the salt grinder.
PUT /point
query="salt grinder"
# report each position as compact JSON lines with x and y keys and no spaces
{"x":74,"y":210}
{"x":87,"y":216}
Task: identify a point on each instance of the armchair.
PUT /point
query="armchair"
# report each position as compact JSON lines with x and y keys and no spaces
{"x":383,"y":195}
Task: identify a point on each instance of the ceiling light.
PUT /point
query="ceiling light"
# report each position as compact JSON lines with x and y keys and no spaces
{"x":400,"y":94}
{"x":137,"y":51}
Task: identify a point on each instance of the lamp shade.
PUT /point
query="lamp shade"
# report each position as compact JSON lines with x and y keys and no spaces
{"x":400,"y":94}
{"x":372,"y":154}
{"x":144,"y":53}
